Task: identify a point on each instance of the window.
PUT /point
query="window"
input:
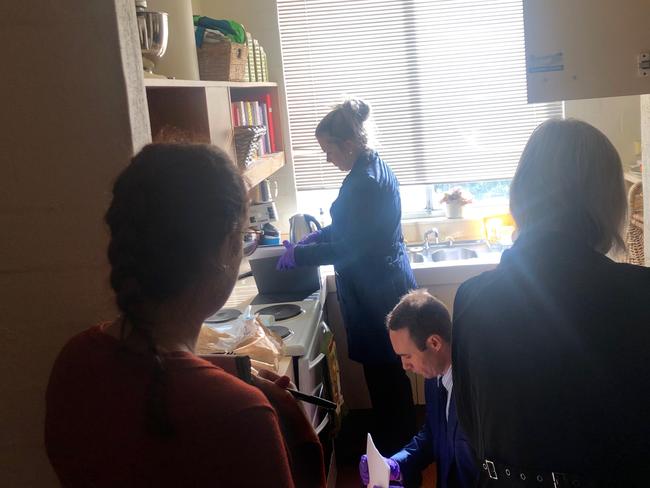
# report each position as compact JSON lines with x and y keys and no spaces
{"x":446,"y":80}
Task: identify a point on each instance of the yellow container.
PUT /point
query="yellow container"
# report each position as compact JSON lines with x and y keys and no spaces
{"x":499,"y":229}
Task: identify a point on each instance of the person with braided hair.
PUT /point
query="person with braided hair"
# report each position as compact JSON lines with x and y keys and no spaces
{"x":128,"y":402}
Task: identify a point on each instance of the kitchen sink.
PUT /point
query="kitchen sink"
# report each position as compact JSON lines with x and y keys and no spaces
{"x":453,"y":253}
{"x":456,"y":251}
{"x":417,"y":257}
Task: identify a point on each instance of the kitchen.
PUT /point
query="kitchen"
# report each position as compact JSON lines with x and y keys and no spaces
{"x":88,"y":119}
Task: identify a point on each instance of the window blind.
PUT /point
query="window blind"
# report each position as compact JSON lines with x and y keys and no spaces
{"x":446,"y":81}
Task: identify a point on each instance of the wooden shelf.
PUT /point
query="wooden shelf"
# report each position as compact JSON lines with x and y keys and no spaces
{"x":264,"y":167}
{"x":201,"y":111}
{"x":166,"y":83}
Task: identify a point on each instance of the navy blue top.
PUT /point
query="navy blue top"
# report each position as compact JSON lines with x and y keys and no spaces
{"x":439,"y":440}
{"x":365,"y":245}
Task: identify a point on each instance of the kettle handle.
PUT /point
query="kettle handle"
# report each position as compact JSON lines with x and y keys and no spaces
{"x":309,"y":219}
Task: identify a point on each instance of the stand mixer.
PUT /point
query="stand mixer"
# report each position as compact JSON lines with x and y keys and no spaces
{"x":153,"y":28}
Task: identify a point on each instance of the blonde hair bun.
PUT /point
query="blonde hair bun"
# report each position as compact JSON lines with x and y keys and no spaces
{"x":357,"y":107}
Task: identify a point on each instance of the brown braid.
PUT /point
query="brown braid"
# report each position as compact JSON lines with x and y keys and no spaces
{"x":172,"y":209}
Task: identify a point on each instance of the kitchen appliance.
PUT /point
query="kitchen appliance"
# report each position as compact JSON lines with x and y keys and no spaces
{"x":265,"y":192}
{"x":294,"y":283}
{"x":224,"y":315}
{"x":302,"y":327}
{"x":153,"y":28}
{"x":262,"y":213}
{"x":301,"y":225}
{"x":180,"y":60}
{"x":280,"y":312}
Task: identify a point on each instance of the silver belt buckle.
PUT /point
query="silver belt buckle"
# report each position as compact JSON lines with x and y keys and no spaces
{"x":492,"y":471}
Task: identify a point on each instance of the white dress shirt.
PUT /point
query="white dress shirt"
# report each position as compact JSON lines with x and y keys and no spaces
{"x":448,"y":382}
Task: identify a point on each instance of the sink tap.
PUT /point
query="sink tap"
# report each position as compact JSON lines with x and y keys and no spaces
{"x":427,"y":235}
{"x":449,"y":240}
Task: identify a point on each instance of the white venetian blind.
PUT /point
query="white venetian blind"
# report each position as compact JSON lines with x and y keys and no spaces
{"x":446,"y":80}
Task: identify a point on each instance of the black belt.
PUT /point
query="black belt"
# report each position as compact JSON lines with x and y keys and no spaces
{"x":506,"y":475}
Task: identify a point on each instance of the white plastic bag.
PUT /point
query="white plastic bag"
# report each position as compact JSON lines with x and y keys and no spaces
{"x":246,"y":336}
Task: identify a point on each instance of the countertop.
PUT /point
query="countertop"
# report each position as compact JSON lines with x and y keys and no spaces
{"x":426,"y":274}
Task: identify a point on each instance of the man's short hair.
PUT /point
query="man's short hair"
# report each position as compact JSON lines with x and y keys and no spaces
{"x":423,"y":315}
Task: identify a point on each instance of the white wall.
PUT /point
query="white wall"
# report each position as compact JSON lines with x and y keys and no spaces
{"x":73,"y":113}
{"x":617,"y":117}
{"x":261,"y":20}
{"x":645,"y":137}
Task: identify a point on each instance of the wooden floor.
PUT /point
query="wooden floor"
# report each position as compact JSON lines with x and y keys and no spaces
{"x":351,"y":444}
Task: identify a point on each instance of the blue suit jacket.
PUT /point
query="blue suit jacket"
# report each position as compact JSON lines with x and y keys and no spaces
{"x":365,"y":245}
{"x":441,"y":441}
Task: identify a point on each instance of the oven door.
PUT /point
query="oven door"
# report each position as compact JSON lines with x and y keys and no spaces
{"x":311,"y":371}
{"x":313,"y":380}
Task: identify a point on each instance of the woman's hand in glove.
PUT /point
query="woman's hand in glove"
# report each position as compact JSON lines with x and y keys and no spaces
{"x":288,"y":259}
{"x":311,"y":238}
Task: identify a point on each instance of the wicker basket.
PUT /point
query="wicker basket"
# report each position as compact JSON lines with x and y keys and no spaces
{"x":634,"y":237}
{"x":222,"y":61}
{"x":247,"y":140}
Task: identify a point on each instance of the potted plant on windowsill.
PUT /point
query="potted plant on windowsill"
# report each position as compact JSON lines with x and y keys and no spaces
{"x":454,"y":200}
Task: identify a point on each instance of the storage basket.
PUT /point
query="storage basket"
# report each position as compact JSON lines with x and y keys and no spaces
{"x":222,"y":61}
{"x":247,"y":140}
{"x":634,"y":237}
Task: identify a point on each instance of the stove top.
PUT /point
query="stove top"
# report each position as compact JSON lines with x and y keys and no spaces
{"x":301,"y":326}
{"x":223,"y":315}
{"x":282,"y":311}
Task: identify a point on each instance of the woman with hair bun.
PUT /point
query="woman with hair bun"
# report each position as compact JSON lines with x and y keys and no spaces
{"x":129,"y":403}
{"x":365,"y":245}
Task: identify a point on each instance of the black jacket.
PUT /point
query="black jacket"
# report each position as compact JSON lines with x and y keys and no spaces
{"x":551,"y":361}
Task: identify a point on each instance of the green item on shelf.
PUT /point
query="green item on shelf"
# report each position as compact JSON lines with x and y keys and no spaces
{"x":229,"y":28}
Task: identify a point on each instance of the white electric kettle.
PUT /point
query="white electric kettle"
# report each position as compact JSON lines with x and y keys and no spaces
{"x":301,"y":225}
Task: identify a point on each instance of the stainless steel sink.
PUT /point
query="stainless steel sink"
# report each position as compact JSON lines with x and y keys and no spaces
{"x":417,"y":257}
{"x":453,"y":253}
{"x":457,"y":251}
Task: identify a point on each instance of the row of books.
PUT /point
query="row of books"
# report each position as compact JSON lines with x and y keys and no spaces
{"x":257,"y":112}
{"x":257,"y":68}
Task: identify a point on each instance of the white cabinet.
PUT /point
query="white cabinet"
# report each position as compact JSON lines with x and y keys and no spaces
{"x":585,"y":48}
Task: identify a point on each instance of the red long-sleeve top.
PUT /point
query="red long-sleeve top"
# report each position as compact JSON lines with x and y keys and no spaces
{"x":226,"y":432}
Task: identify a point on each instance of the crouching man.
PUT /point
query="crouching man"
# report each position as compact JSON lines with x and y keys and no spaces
{"x":420,"y":332}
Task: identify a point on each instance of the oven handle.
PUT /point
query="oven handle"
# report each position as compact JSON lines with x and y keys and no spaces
{"x":323,"y":424}
{"x":318,"y":392}
{"x":316,"y":361}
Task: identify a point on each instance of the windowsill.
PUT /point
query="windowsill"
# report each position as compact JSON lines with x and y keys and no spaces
{"x":475,"y":224}
{"x":470,"y":213}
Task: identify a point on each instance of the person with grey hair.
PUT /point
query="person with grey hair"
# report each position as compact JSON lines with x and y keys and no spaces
{"x":366,"y":247}
{"x":550,"y":366}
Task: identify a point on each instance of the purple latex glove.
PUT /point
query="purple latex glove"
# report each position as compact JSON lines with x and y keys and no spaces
{"x":395,"y":473}
{"x":288,"y":259}
{"x":310,"y":238}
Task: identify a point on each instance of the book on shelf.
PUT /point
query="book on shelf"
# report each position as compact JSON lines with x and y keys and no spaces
{"x":249,"y":114}
{"x":258,"y":60}
{"x":271,"y":127}
{"x":256,"y":112}
{"x":265,"y":123}
{"x":235,"y":115}
{"x":250,"y":61}
{"x":265,"y":76}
